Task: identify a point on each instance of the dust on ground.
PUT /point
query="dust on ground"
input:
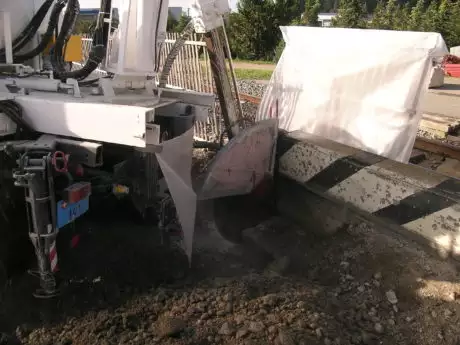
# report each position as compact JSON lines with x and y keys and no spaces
{"x":282,"y":285}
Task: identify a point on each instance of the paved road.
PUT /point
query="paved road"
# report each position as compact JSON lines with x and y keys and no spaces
{"x":444,"y":100}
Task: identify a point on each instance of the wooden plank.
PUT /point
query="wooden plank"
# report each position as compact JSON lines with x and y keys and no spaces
{"x":437,"y":147}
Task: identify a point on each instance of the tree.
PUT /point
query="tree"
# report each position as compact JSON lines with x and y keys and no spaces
{"x":430,"y":21}
{"x":254,"y":30}
{"x":182,"y":23}
{"x":454,"y":25}
{"x":171,"y":23}
{"x":310,"y":15}
{"x":402,"y":16}
{"x":391,"y":14}
{"x":378,"y":17}
{"x":416,"y":16}
{"x":84,"y":27}
{"x":351,"y":14}
{"x":448,"y":22}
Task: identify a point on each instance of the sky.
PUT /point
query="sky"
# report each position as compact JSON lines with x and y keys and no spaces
{"x":172,"y":3}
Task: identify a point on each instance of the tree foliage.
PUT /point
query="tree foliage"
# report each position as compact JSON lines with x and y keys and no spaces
{"x":254,"y":32}
{"x":311,"y":12}
{"x":441,"y":16}
{"x":173,"y":25}
{"x":351,"y":14}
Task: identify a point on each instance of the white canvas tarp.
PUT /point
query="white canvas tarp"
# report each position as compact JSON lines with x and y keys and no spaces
{"x":361,"y":88}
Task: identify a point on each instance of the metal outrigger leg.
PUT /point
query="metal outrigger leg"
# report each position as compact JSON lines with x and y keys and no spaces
{"x":34,"y":173}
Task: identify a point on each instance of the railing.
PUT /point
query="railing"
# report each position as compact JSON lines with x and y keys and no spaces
{"x":192,"y":71}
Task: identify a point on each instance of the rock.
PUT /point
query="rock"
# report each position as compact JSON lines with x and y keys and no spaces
{"x":226,"y":329}
{"x":269,"y":300}
{"x":319,"y":332}
{"x":378,"y":328}
{"x":272,"y":329}
{"x":284,"y":338}
{"x":239,"y":319}
{"x":111,"y":332}
{"x":378,"y":276}
{"x":448,"y":313}
{"x":167,"y":326}
{"x":301,"y":305}
{"x":391,"y":297}
{"x":345,"y":264}
{"x":241,"y":333}
{"x":221,"y":313}
{"x":256,"y":326}
{"x":367,"y":338}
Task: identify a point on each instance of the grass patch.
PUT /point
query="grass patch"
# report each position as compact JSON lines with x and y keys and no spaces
{"x":257,"y":74}
{"x":255,"y":62}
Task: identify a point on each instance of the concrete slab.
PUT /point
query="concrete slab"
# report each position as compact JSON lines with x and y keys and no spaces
{"x":419,"y":203}
{"x":450,"y":167}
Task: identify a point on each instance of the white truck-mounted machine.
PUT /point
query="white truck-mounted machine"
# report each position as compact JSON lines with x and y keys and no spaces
{"x":63,"y":129}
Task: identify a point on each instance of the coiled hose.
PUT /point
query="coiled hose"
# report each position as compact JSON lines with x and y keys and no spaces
{"x":30,"y":30}
{"x":188,"y":30}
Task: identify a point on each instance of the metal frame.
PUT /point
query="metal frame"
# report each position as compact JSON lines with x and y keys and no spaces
{"x":7,"y":38}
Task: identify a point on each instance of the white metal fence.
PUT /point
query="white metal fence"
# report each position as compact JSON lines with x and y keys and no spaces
{"x":192,"y":71}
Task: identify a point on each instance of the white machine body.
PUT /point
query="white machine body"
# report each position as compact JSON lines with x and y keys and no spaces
{"x":136,"y":45}
{"x":21,"y":12}
{"x":124,"y":106}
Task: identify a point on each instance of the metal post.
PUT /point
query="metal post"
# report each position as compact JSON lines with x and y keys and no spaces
{"x":7,"y":37}
{"x":222,"y":82}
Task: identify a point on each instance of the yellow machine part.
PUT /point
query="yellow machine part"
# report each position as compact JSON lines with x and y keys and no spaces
{"x":73,"y":49}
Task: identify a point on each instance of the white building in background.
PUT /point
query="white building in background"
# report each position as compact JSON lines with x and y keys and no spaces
{"x":325,"y":19}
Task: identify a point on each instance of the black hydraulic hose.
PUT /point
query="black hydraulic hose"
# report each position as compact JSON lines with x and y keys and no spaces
{"x":31,"y":29}
{"x":68,"y":24}
{"x":156,"y":52}
{"x":47,"y":37}
{"x":105,"y":10}
{"x":14,"y":112}
{"x":96,"y":55}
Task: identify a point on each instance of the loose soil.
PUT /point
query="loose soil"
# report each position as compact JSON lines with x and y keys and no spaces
{"x":282,"y":285}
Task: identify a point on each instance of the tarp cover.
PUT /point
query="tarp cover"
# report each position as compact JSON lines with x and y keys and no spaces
{"x":361,"y":88}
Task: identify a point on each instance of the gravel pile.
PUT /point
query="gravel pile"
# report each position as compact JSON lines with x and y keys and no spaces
{"x":250,"y":87}
{"x":359,"y":287}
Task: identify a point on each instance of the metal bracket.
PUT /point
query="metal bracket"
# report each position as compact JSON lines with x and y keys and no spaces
{"x":75,"y":91}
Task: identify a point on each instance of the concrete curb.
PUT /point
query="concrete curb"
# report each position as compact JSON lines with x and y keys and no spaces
{"x":325,"y":184}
